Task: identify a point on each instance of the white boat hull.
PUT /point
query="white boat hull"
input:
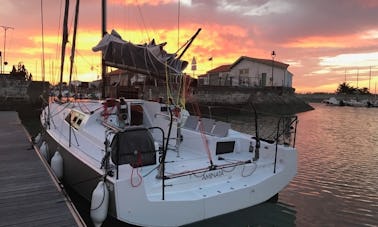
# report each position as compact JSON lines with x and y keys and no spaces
{"x":193,"y":191}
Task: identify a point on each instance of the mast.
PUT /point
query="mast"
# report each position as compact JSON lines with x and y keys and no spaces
{"x":103,"y":33}
{"x":43,"y":45}
{"x":74,"y":39}
{"x":64,"y":42}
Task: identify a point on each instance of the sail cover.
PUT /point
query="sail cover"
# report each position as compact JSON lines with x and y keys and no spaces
{"x":149,"y":59}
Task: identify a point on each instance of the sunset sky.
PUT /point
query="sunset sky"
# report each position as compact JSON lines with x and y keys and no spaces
{"x":323,"y":41}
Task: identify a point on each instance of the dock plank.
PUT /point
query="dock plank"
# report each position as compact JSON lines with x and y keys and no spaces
{"x":28,"y":194}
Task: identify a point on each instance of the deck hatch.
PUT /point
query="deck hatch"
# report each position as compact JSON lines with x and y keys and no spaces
{"x":225,"y":147}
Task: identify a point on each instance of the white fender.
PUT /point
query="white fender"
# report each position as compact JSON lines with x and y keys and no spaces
{"x":44,"y":149}
{"x":37,"y":139}
{"x":57,"y":165}
{"x":99,"y":204}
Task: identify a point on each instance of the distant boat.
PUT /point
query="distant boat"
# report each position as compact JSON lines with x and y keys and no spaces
{"x":351,"y":102}
{"x":333,"y":102}
{"x":355,"y":103}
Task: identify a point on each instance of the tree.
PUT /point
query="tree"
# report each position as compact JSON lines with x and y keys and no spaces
{"x":345,"y":88}
{"x":364,"y":91}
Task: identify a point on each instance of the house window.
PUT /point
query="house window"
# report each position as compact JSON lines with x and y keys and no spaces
{"x":243,"y":71}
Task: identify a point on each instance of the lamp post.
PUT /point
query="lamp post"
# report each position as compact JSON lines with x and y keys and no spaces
{"x":5,"y":38}
{"x":273,"y":56}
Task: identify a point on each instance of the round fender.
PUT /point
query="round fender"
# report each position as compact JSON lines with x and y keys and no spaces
{"x":99,"y":204}
{"x":57,"y":165}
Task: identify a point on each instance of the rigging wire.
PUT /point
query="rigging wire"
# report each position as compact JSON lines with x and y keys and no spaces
{"x":178,"y":24}
{"x":143,"y":22}
{"x":43,"y":45}
{"x":169,"y":95}
{"x":59,"y":28}
{"x":197,"y":112}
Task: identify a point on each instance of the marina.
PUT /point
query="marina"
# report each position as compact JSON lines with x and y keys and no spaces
{"x":336,"y":180}
{"x":29,"y":193}
{"x":212,"y":130}
{"x":152,"y":162}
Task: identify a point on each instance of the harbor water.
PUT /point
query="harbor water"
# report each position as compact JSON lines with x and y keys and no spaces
{"x":337,"y":179}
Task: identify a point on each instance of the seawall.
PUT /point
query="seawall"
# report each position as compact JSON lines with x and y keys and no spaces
{"x":272,"y":101}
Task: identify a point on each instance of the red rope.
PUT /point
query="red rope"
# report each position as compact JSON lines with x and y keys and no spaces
{"x":202,"y":131}
{"x":107,"y":112}
{"x":139,"y":164}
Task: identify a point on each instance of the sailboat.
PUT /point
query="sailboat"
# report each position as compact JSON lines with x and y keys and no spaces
{"x":149,"y":163}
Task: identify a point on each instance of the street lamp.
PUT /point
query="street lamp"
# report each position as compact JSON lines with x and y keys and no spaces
{"x":5,"y":38}
{"x":273,"y":56}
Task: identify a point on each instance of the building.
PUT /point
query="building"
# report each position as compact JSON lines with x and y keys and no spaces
{"x":122,"y":83}
{"x":217,"y":77}
{"x":249,"y":72}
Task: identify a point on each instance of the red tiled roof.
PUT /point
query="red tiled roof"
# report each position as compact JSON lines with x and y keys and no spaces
{"x":202,"y":75}
{"x":219,"y":69}
{"x":116,"y":72}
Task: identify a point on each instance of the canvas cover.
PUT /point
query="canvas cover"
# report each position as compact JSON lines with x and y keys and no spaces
{"x":149,"y":59}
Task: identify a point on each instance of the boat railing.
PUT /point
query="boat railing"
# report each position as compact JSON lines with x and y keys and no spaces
{"x":264,"y":126}
{"x":286,"y":131}
{"x":166,"y":116}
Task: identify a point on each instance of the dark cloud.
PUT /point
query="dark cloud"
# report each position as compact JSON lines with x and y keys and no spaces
{"x":319,"y":18}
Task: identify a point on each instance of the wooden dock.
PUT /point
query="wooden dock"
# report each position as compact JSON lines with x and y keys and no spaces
{"x":29,"y":194}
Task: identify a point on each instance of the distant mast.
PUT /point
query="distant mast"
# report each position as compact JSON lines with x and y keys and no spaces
{"x":43,"y":45}
{"x":103,"y":33}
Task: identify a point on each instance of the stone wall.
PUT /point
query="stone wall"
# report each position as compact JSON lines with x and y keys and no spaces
{"x":274,"y":100}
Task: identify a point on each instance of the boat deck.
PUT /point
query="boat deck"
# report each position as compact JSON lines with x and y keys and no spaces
{"x":29,"y":195}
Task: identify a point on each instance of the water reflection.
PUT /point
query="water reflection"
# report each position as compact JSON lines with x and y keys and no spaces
{"x":336,"y":184}
{"x":266,"y":214}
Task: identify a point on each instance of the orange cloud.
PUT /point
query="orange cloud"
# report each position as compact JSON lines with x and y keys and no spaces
{"x":368,"y":3}
{"x":322,"y":41}
{"x":142,"y":2}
